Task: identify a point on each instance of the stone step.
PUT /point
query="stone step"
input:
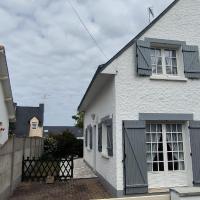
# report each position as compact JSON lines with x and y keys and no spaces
{"x":146,"y":197}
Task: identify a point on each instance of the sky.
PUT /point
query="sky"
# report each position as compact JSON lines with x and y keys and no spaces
{"x":51,"y":58}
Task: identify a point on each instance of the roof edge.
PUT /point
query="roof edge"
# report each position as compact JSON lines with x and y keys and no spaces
{"x":103,"y":66}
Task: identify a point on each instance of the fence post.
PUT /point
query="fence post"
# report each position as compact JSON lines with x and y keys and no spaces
{"x":12,"y":163}
{"x":72,"y":167}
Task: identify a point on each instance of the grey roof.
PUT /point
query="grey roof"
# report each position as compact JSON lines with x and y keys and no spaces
{"x":77,"y":132}
{"x":103,"y":66}
{"x":23,"y":117}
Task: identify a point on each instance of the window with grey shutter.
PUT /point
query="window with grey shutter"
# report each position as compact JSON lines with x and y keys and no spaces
{"x":90,"y":129}
{"x":100,"y":137}
{"x":191,"y":61}
{"x":143,"y":58}
{"x":109,"y":137}
{"x":195,"y":150}
{"x":135,"y":165}
{"x":86,"y":137}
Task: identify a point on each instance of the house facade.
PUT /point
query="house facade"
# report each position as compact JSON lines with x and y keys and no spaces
{"x":142,"y":107}
{"x":7,"y":110}
{"x":29,"y":121}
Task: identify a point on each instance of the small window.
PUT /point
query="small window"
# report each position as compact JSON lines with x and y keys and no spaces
{"x":34,"y":125}
{"x":164,"y":61}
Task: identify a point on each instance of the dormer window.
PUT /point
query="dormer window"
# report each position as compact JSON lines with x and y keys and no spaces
{"x":34,"y":125}
{"x":164,"y":61}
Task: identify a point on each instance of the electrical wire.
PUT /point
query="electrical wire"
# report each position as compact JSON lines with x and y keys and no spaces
{"x":87,"y":30}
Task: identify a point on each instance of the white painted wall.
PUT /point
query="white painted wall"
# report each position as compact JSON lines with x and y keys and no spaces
{"x":135,"y":94}
{"x":3,"y":117}
{"x":103,"y":105}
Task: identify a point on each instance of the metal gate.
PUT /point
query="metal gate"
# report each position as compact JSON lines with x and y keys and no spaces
{"x":38,"y":169}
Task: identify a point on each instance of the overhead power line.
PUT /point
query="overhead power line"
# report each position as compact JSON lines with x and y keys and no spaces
{"x":87,"y":30}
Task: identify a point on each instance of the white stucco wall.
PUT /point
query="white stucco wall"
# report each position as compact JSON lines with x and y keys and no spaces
{"x":136,"y":94}
{"x":3,"y":117}
{"x":103,"y":105}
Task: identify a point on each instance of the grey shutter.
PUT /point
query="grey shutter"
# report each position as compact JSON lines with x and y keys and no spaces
{"x":90,"y":137}
{"x":86,"y":137}
{"x":143,"y":58}
{"x":191,"y":61}
{"x":100,"y":137}
{"x":135,"y":166}
{"x":195,"y":150}
{"x":109,"y":137}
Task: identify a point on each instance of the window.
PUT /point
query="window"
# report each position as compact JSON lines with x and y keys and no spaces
{"x":34,"y":125}
{"x":164,"y":147}
{"x":164,"y":61}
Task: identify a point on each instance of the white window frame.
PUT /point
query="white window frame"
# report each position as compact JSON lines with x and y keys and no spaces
{"x":165,"y":152}
{"x":34,"y":125}
{"x":164,"y":67}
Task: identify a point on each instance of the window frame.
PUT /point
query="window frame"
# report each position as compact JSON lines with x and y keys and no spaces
{"x":165,"y":152}
{"x":162,"y":50}
{"x":34,"y":125}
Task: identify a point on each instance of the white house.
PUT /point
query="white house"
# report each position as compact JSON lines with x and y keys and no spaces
{"x":142,"y":107}
{"x":7,"y":110}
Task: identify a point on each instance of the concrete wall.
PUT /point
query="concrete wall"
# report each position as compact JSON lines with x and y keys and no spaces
{"x":11,"y":154}
{"x":4,"y":118}
{"x":136,"y":94}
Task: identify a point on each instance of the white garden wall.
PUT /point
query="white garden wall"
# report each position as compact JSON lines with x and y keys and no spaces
{"x":3,"y":117}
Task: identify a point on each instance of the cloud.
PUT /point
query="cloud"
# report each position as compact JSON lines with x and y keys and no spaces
{"x":50,"y":56}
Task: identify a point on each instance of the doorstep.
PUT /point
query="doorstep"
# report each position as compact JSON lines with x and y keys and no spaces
{"x":145,"y":197}
{"x":185,"y":193}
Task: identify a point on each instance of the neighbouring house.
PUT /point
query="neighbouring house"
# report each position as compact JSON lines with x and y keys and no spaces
{"x":29,"y":121}
{"x":142,"y":107}
{"x":7,"y":109}
{"x":58,"y":130}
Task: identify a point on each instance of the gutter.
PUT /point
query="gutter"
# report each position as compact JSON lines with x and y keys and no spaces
{"x":5,"y":80}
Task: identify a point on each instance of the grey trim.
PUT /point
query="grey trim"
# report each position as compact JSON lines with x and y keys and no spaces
{"x":106,"y":184}
{"x":165,"y":116}
{"x":102,"y":67}
{"x":166,"y":42}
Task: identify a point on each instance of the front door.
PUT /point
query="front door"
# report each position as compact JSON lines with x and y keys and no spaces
{"x":166,"y":155}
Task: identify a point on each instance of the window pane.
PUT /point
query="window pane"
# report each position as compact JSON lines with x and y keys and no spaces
{"x":155,"y":166}
{"x":159,"y":69}
{"x":181,"y":156}
{"x":176,"y":166}
{"x":170,"y":166}
{"x":161,"y":166}
{"x":169,"y":155}
{"x":173,"y":53}
{"x":168,"y":127}
{"x":179,"y":128}
{"x":154,"y":142}
{"x":174,"y":70}
{"x":153,"y":128}
{"x":153,"y":60}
